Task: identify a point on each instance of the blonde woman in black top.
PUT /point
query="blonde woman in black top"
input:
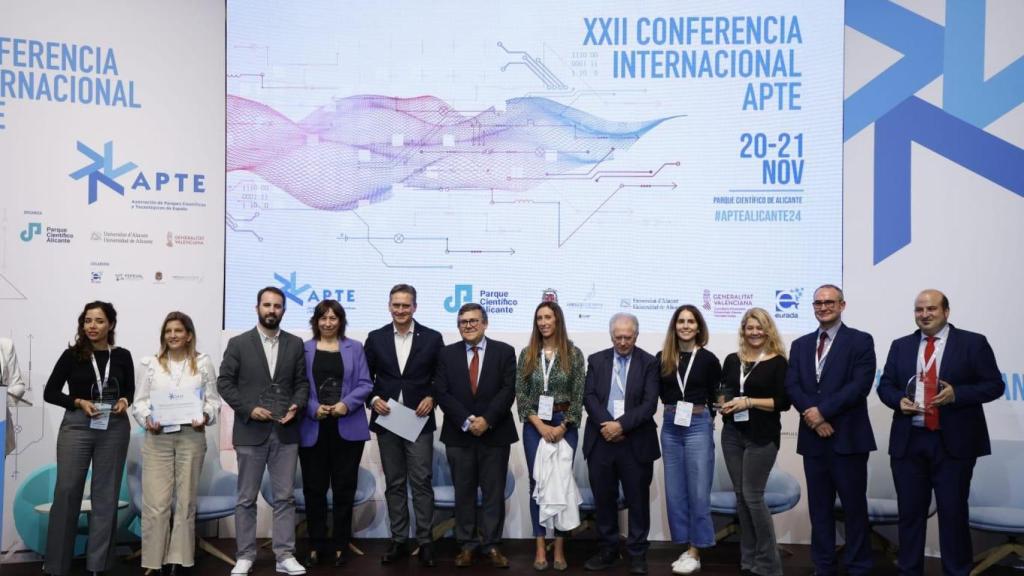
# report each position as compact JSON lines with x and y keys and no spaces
{"x":752,"y":397}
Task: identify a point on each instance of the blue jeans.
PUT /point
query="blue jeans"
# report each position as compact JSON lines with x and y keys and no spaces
{"x":688,"y":455}
{"x":531,"y":438}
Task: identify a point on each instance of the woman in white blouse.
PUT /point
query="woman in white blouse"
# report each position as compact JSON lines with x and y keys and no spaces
{"x":172,"y":454}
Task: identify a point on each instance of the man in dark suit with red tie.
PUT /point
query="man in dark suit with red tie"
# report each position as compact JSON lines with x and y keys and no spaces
{"x":402,"y":358}
{"x":831,"y":372}
{"x":938,"y":429}
{"x":475,"y":386}
{"x":620,"y":442}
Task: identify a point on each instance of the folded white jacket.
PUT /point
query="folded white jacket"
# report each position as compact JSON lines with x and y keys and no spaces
{"x":556,"y":492}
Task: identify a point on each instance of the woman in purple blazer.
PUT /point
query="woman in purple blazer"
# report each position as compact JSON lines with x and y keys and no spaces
{"x":334,"y":430}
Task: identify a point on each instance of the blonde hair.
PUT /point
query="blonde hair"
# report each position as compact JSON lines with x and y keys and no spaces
{"x":774,"y":344}
{"x":190,"y":346}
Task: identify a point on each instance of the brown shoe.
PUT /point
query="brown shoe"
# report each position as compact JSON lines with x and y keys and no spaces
{"x":464,"y":559}
{"x":498,"y":560}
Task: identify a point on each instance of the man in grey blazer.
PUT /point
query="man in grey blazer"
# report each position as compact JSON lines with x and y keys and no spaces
{"x":263,"y":378}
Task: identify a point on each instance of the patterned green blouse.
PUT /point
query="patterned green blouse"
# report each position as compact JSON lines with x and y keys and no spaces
{"x":565,"y":388}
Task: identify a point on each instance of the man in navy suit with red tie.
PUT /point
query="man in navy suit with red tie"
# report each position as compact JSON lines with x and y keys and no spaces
{"x":831,"y":372}
{"x":475,"y":385}
{"x":938,"y":429}
{"x":620,"y":442}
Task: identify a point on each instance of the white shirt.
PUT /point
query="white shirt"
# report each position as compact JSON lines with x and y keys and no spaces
{"x":270,"y":347}
{"x":940,"y":346}
{"x":151,"y":376}
{"x":557,"y":496}
{"x":403,"y":345}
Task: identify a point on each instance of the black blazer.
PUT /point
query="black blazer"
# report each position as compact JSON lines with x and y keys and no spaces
{"x":641,"y":402}
{"x":244,"y":374}
{"x":969,"y":365}
{"x":416,"y":383}
{"x":496,"y":390}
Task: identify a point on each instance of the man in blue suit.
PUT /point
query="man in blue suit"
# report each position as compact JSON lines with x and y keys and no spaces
{"x":620,"y":442}
{"x":937,"y":436}
{"x":402,"y":358}
{"x":831,"y":371}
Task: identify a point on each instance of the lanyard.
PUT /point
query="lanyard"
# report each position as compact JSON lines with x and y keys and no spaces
{"x":819,"y":366}
{"x":686,"y":376}
{"x":546,"y":368}
{"x":618,"y":379}
{"x":743,"y":377}
{"x":925,"y":367}
{"x":106,"y":370}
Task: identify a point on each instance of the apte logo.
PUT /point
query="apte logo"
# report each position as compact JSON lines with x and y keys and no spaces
{"x":101,"y":170}
{"x":463,"y":293}
{"x":294,"y":292}
{"x":31,"y":230}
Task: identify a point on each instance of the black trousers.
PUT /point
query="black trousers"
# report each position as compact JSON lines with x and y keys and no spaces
{"x":332,"y":463}
{"x":485,"y":467}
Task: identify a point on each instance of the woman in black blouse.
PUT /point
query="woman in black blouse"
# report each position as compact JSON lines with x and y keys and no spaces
{"x":689,"y":377}
{"x":101,"y":385}
{"x":752,"y":397}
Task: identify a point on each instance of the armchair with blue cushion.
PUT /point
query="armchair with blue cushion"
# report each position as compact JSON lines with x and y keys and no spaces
{"x":997,"y":501}
{"x":444,"y":491}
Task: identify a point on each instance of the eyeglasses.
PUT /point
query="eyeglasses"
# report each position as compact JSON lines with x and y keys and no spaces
{"x":818,"y":304}
{"x":466,"y":323}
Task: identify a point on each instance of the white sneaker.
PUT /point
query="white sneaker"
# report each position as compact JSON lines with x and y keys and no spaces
{"x":682,"y":557}
{"x":242,"y":566}
{"x":686,"y":565}
{"x":291,"y":567}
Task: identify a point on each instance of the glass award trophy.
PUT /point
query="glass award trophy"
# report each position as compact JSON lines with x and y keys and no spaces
{"x":915,"y":391}
{"x":274,"y":399}
{"x":329,"y":392}
{"x":104,"y":396}
{"x":722,"y":395}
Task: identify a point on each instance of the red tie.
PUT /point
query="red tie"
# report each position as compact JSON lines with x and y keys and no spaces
{"x":821,"y":344}
{"x":931,"y":386}
{"x":474,"y":368}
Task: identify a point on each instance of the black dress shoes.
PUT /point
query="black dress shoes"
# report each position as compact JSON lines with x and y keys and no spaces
{"x":312,"y":559}
{"x":340,"y":559}
{"x":395,"y":551}
{"x":638,"y":564}
{"x":603,"y":560}
{"x":427,"y":555}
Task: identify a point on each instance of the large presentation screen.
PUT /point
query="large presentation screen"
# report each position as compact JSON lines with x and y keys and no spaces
{"x":617,"y":156}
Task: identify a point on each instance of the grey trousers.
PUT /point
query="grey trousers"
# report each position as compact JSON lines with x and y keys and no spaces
{"x":749,"y":465}
{"x":412,"y":463}
{"x":484,"y":467}
{"x":171,"y":467}
{"x":281,"y":461}
{"x":78,"y":447}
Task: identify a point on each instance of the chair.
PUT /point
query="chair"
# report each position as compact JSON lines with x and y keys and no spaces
{"x":782,"y":493}
{"x":444,"y":491}
{"x":366,"y":486}
{"x":997,"y":501}
{"x":31,"y":511}
{"x":217,"y":492}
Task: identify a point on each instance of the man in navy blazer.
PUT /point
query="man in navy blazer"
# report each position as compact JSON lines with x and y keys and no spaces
{"x":620,"y":441}
{"x":934,"y":444}
{"x":475,"y":386}
{"x":402,"y":357}
{"x":831,"y":372}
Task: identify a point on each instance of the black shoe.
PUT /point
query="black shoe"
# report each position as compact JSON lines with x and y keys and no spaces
{"x":638,"y":564}
{"x":427,"y":555}
{"x":180,"y":570}
{"x":395,"y":551}
{"x":340,"y":559}
{"x":603,"y":560}
{"x":312,"y":559}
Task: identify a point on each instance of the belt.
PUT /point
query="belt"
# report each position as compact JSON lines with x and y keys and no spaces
{"x":697,"y":408}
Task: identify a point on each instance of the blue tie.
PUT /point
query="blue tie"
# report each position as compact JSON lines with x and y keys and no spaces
{"x":614,"y":393}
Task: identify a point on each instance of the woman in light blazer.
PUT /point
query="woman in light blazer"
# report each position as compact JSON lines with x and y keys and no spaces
{"x":332,"y":436}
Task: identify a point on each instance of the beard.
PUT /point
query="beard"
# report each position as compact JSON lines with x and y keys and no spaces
{"x":270,"y":321}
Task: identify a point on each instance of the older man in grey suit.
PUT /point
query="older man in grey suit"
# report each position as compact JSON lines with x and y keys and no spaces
{"x":263,"y":378}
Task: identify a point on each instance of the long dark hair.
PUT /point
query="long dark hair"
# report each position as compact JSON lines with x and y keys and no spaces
{"x":83,"y":346}
{"x":561,"y":337}
{"x":670,"y":349}
{"x":321,"y":310}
